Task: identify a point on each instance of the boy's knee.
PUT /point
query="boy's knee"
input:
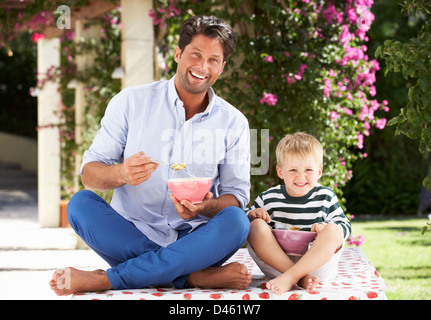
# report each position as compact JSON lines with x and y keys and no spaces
{"x":334,"y":229}
{"x":333,"y":233}
{"x":258,"y":229}
{"x":258,"y":225}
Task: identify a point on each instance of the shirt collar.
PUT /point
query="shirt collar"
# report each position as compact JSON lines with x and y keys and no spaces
{"x":172,"y":93}
{"x":173,"y":97}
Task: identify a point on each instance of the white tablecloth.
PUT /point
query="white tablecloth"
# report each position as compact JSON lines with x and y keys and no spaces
{"x":357,"y":279}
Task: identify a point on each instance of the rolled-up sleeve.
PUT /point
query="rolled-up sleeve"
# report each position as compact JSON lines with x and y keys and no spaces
{"x":109,"y":142}
{"x":235,"y":171}
{"x":336,"y":215}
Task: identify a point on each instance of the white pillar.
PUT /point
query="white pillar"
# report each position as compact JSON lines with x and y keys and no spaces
{"x":48,"y":55}
{"x":137,"y":46}
{"x":88,"y":30}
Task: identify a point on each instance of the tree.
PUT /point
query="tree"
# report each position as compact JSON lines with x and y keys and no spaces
{"x":412,"y":59}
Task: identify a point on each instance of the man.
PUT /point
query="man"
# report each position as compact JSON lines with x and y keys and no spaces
{"x":147,"y":236}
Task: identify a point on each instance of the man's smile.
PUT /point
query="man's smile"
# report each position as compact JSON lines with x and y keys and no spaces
{"x":197,"y":76}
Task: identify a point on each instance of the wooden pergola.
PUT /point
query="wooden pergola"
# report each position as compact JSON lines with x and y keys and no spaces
{"x":137,"y":62}
{"x":95,"y":9}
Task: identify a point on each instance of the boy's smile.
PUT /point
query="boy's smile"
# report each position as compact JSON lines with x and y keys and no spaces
{"x":300,"y":174}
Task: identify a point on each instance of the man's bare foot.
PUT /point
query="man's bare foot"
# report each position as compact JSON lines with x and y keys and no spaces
{"x":70,"y":280}
{"x":308,"y":282}
{"x":233,"y":276}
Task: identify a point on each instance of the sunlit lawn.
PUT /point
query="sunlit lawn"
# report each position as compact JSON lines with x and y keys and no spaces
{"x":400,"y":253}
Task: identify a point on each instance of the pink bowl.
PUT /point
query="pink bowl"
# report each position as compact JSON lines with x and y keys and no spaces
{"x":294,"y":242}
{"x":190,"y":189}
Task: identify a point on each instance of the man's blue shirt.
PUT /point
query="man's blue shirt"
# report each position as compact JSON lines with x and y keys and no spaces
{"x":151,"y":118}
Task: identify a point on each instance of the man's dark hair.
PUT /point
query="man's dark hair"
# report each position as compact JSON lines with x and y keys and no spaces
{"x":211,"y":27}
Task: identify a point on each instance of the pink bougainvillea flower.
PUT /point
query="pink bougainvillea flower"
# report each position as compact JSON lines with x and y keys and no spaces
{"x":360,"y":138}
{"x":268,"y":59}
{"x":290,"y":80}
{"x":345,"y":35}
{"x":357,"y":242}
{"x":301,"y":69}
{"x":381,"y":123}
{"x":334,"y":115}
{"x":37,"y":36}
{"x":348,"y":111}
{"x":330,"y":13}
{"x":269,"y":98}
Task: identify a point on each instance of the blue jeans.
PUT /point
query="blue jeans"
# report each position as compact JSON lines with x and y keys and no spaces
{"x":136,"y":261}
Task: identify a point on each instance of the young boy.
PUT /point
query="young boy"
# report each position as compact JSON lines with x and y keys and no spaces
{"x":303,"y":203}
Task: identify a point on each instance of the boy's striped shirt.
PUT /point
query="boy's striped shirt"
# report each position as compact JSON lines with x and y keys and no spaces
{"x":320,"y":205}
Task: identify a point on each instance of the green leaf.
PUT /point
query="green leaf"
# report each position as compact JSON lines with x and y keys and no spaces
{"x":425,"y":83}
{"x":427,"y":183}
{"x":378,"y":51}
{"x":393,"y":121}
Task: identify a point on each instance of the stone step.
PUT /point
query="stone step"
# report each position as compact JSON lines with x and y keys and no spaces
{"x":13,"y":177}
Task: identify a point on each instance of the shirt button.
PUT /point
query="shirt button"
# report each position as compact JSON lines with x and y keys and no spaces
{"x":181,"y":122}
{"x":166,"y":216}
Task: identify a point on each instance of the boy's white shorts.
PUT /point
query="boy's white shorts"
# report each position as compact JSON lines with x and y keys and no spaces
{"x":326,"y":272}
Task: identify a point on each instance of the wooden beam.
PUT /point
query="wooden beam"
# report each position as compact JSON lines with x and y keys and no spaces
{"x":15,"y":4}
{"x":95,"y":9}
{"x":52,"y":32}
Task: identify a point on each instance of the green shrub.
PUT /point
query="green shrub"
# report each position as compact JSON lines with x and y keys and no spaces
{"x":299,"y":66}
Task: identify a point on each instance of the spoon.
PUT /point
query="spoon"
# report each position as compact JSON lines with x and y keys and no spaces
{"x":285,"y":224}
{"x":175,"y":166}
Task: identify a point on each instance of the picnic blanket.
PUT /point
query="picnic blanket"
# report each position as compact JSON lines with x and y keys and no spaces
{"x":357,"y":279}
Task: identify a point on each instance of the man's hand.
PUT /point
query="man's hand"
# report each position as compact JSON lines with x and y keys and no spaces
{"x":188,"y":210}
{"x":137,"y":169}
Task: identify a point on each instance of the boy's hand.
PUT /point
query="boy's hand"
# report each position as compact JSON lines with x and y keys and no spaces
{"x":259,"y":213}
{"x":317,"y":227}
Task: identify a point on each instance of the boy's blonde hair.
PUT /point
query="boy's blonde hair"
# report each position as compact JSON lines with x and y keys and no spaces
{"x":301,"y":144}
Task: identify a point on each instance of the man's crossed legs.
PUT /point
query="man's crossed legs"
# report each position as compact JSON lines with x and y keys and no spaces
{"x":194,"y":260}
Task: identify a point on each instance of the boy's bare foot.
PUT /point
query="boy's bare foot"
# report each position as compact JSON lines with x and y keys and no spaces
{"x":285,"y":282}
{"x":233,"y":276}
{"x":281,"y":284}
{"x":308,"y":282}
{"x":70,"y":280}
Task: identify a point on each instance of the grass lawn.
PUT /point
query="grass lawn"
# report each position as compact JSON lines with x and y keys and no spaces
{"x":400,"y":253}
